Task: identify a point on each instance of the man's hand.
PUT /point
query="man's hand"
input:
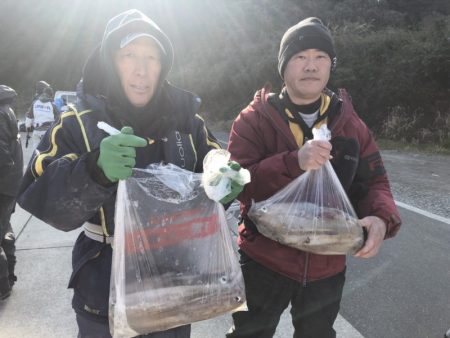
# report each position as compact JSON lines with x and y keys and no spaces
{"x":236,"y":188}
{"x":118,"y":154}
{"x":376,"y":230}
{"x":314,"y":154}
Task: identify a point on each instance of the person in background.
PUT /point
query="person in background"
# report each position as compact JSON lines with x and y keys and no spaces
{"x":38,"y":90}
{"x":272,"y":138}
{"x":11,"y":168}
{"x":42,"y":114}
{"x":77,"y":166}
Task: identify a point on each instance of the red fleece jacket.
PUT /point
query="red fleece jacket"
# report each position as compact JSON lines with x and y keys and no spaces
{"x":262,"y":142}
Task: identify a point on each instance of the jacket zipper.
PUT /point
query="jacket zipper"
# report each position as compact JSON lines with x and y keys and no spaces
{"x":305,"y":271}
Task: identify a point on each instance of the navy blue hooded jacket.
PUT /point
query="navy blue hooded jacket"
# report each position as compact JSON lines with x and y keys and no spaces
{"x":63,"y":185}
{"x":11,"y":161}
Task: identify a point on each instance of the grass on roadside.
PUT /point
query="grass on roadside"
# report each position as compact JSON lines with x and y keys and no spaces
{"x":428,"y":148}
{"x":384,"y":143}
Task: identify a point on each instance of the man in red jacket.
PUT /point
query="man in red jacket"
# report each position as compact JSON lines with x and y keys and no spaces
{"x":272,"y":138}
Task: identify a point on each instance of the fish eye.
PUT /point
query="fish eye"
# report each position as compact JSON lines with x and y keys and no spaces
{"x":264,"y":209}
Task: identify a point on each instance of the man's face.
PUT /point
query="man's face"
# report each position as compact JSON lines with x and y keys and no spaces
{"x":139,"y":66}
{"x":306,"y":75}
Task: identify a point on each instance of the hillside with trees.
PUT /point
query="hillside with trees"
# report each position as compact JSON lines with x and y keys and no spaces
{"x":393,"y":55}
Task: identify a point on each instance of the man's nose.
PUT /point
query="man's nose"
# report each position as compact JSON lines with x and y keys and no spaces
{"x":141,"y":67}
{"x":310,"y":65}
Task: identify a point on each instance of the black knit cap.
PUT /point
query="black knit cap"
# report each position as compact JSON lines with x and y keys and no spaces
{"x":308,"y":33}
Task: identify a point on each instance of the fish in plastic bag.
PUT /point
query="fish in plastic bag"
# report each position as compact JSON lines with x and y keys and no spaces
{"x":319,"y":230}
{"x":173,"y":260}
{"x":312,"y":213}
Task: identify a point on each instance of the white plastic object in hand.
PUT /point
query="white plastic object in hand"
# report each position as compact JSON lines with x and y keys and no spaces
{"x":322,"y":133}
{"x":217,"y":183}
{"x":107,"y":128}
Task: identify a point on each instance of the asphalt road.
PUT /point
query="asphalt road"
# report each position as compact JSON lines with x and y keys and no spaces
{"x":403,"y":292}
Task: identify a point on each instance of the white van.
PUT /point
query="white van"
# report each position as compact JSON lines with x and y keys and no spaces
{"x":67,"y":97}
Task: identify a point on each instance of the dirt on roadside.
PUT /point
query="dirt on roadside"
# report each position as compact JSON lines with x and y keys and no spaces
{"x":420,"y":180}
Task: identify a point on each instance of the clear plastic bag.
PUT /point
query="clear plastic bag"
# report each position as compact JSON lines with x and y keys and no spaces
{"x":173,"y":260}
{"x":312,"y":213}
{"x":217,"y":183}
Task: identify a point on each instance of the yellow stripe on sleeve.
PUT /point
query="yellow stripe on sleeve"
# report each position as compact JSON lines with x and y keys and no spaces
{"x":71,"y":156}
{"x":194,"y":150}
{"x":88,"y":148}
{"x":209,"y":141}
{"x":38,"y":167}
{"x":83,"y":130}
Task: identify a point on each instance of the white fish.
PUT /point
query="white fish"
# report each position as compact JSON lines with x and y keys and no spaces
{"x":308,"y":227}
{"x":156,"y":309}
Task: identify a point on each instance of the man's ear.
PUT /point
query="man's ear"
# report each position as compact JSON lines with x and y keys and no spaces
{"x":333,"y":64}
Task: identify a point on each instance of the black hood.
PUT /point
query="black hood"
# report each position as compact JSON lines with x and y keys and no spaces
{"x":101,"y":81}
{"x":134,"y":21}
{"x":7,"y":94}
{"x":45,"y":98}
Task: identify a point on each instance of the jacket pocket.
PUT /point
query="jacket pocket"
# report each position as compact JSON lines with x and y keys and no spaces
{"x":345,"y":159}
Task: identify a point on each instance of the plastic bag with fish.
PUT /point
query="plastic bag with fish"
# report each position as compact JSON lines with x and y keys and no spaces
{"x":173,"y":260}
{"x":312,"y":213}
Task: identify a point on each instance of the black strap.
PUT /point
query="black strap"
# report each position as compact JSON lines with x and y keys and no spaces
{"x":43,"y":126}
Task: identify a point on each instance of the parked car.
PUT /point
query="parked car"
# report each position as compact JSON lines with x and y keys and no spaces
{"x":65,"y":98}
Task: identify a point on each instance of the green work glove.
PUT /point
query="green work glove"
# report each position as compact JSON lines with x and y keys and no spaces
{"x":118,"y":154}
{"x":235,"y":186}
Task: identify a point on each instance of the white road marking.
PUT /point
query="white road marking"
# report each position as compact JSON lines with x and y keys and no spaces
{"x":344,"y":329}
{"x":423,"y":212}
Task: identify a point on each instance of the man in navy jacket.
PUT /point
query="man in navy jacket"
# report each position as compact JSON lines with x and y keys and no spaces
{"x":11,"y":164}
{"x":71,"y":180}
